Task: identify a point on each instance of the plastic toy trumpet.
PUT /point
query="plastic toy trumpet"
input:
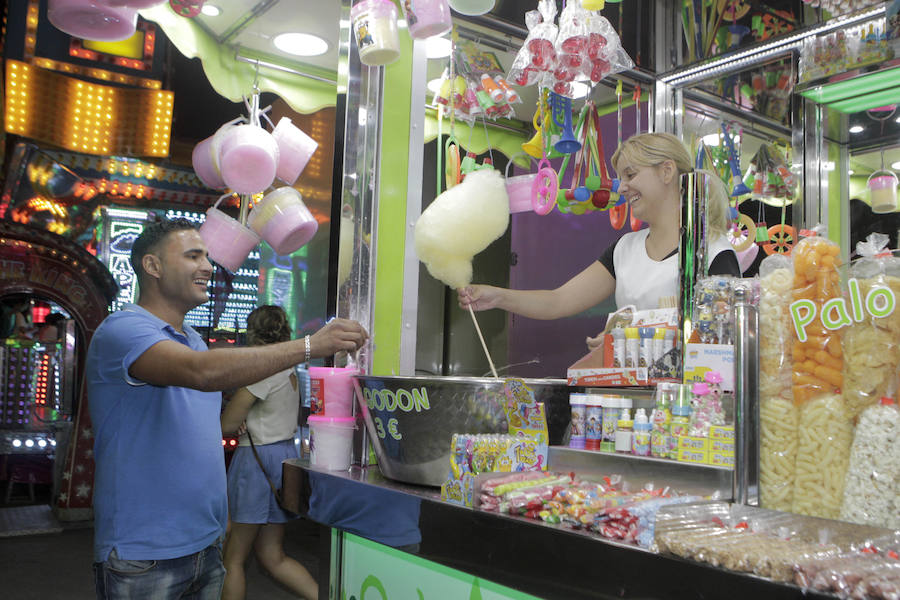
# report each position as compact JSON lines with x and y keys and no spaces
{"x":738,"y":187}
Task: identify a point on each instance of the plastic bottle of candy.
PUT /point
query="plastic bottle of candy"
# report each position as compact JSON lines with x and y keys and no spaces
{"x":640,"y":440}
{"x":681,"y":419}
{"x":624,"y":428}
{"x":660,"y":420}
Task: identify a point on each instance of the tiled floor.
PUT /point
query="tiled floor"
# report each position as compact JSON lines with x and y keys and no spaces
{"x":57,"y":566}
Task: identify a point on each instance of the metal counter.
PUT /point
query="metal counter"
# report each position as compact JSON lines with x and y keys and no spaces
{"x":548,"y":561}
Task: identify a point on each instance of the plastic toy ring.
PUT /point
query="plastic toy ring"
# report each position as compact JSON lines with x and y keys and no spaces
{"x":544,"y":188}
{"x":780,"y":240}
{"x":742,"y":234}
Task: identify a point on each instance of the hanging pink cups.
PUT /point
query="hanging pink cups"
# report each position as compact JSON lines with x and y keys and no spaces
{"x":295,"y":148}
{"x":93,"y":19}
{"x":227,"y":241}
{"x":248,"y":159}
{"x":282,"y":219}
{"x":427,"y":18}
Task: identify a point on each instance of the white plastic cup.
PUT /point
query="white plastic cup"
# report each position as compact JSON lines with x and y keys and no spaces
{"x":883,"y":187}
{"x":331,"y":391}
{"x":330,"y":441}
{"x":375,"y":28}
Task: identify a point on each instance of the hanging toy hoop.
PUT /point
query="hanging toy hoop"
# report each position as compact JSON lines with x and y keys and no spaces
{"x":544,"y":188}
{"x":742,"y":233}
{"x":781,"y":240}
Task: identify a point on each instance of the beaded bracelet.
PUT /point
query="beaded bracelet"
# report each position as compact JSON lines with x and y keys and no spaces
{"x":308,"y":348}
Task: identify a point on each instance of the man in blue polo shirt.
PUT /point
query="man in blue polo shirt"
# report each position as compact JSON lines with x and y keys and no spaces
{"x":160,"y":502}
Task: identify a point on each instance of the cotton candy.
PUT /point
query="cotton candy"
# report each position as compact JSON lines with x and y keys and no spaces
{"x":460,"y":223}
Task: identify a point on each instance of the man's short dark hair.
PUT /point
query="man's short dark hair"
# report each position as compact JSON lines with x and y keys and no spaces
{"x":150,"y":238}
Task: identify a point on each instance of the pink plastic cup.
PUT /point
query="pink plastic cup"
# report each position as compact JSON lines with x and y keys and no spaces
{"x":295,"y":148}
{"x":426,"y":18}
{"x":205,"y":167}
{"x":227,"y":241}
{"x":331,"y":391}
{"x":283,"y":220}
{"x":883,"y":187}
{"x":248,"y":159}
{"x":93,"y":19}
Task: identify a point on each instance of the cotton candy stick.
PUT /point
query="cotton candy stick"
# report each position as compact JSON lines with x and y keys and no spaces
{"x":483,"y":345}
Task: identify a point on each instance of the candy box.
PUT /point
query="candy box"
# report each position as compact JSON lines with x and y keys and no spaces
{"x":702,"y":358}
{"x":721,"y":432}
{"x":699,"y":444}
{"x":524,"y":454}
{"x":459,"y":491}
{"x":693,"y":456}
{"x":720,"y":459}
{"x":721,"y":446}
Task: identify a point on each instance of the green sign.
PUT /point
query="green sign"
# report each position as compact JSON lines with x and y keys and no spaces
{"x":372,"y":571}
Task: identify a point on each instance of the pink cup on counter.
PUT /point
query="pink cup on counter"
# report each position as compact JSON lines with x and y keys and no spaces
{"x":227,"y":241}
{"x":283,"y":220}
{"x":295,"y":148}
{"x":93,"y":19}
{"x":331,"y":390}
{"x":248,"y":159}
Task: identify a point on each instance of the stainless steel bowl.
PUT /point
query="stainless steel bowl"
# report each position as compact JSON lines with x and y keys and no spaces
{"x":411,"y":420}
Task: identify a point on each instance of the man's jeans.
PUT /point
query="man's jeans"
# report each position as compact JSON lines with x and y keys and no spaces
{"x":198,"y":576}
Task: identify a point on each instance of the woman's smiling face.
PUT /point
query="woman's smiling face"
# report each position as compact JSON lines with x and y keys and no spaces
{"x":643,"y":188}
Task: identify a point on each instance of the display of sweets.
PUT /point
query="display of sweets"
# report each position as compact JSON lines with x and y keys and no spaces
{"x":713,"y":319}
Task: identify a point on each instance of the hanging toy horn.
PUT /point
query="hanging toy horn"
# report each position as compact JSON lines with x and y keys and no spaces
{"x":738,"y":188}
{"x":562,"y":116}
{"x":535,"y":146}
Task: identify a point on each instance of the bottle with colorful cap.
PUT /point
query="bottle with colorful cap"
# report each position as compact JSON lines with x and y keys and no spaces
{"x":640,"y":440}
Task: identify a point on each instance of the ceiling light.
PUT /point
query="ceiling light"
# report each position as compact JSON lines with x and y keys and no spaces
{"x":210,"y":10}
{"x":857,"y":129}
{"x":401,"y":23}
{"x":872,"y":90}
{"x":301,"y":44}
{"x":434,"y":86}
{"x":438,"y":47}
{"x":712,"y":139}
{"x":579,"y":89}
{"x":849,"y":171}
{"x":895,"y":165}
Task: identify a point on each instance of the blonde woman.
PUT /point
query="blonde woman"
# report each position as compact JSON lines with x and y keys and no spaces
{"x":641,"y":268}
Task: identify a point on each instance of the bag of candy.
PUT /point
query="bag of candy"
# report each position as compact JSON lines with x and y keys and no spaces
{"x":537,"y":54}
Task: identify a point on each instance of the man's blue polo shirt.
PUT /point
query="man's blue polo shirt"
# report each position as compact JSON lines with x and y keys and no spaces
{"x":159,"y":482}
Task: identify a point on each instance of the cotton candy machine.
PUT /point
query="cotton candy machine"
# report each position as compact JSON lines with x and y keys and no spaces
{"x":411,"y":420}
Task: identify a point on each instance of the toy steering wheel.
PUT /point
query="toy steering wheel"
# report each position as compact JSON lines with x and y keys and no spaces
{"x":781,"y":240}
{"x":544,"y":188}
{"x":742,"y":234}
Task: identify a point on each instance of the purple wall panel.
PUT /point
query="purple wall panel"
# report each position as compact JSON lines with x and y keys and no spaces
{"x":550,"y":250}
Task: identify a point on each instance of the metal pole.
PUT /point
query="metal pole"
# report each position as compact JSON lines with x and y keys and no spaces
{"x":746,"y":386}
